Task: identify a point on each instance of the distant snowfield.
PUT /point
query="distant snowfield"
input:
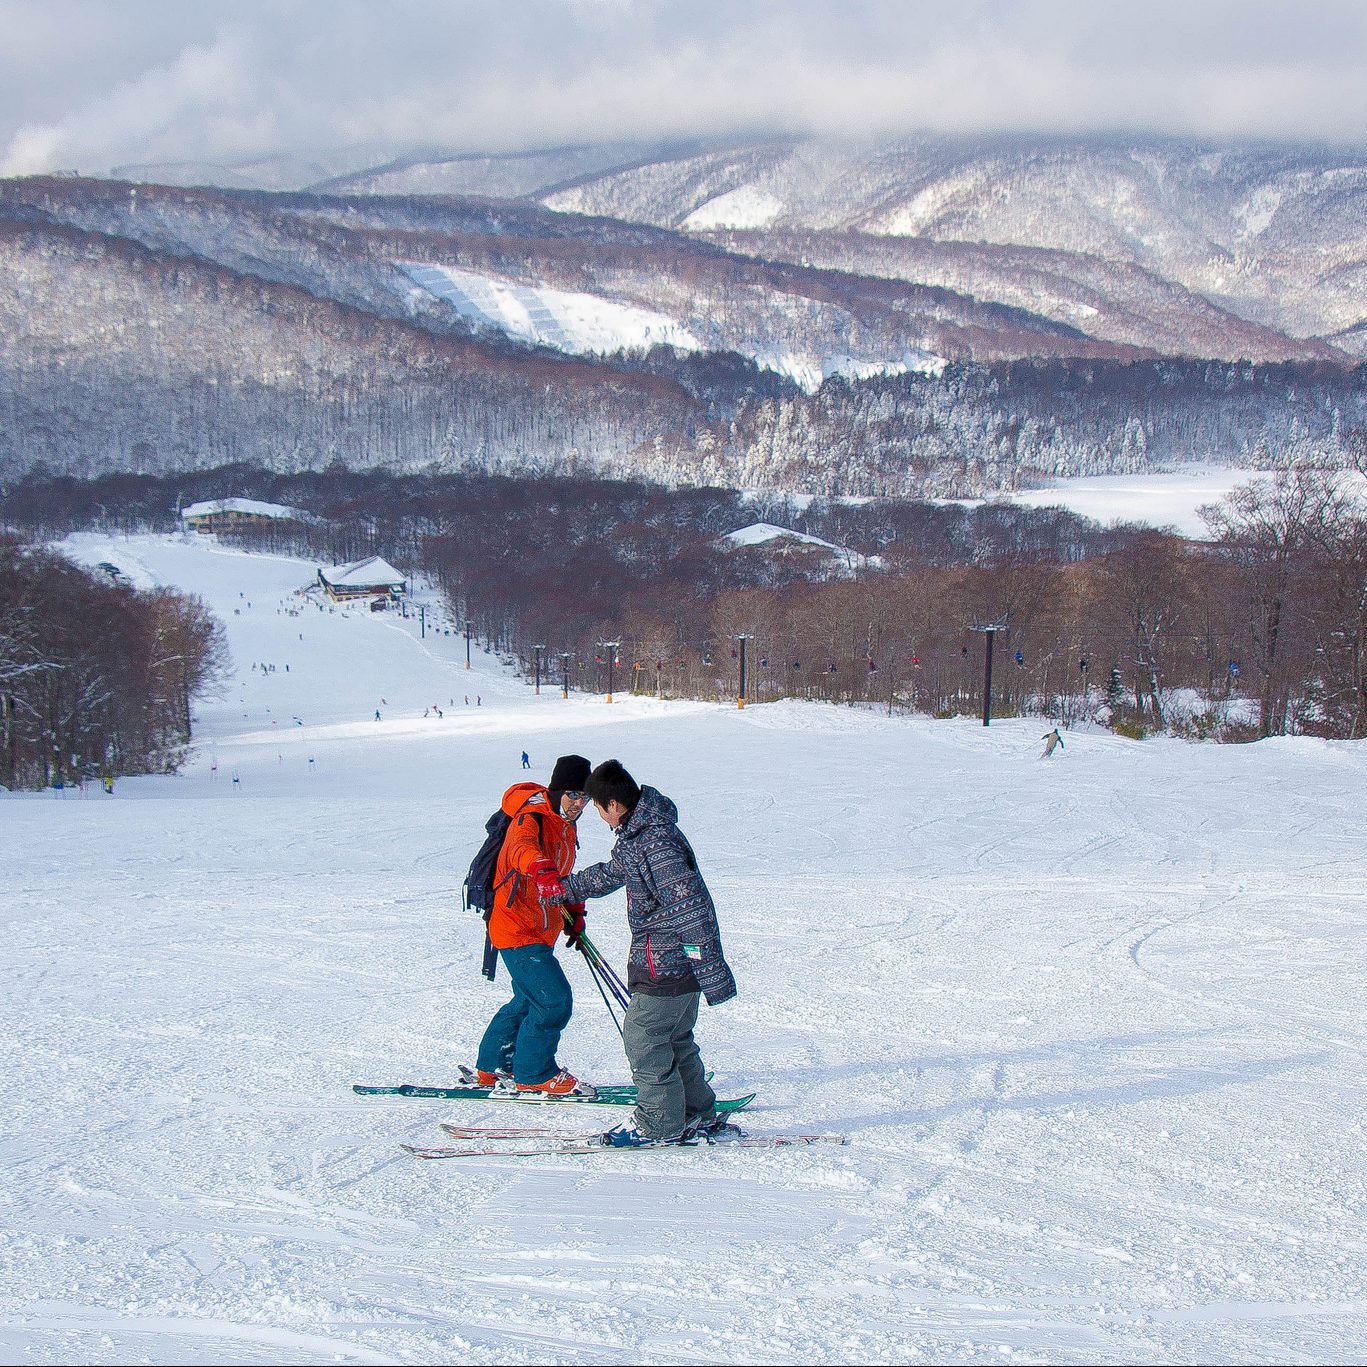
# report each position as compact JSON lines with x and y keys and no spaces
{"x":1167,"y":499}
{"x":747,"y":206}
{"x":1170,"y":498}
{"x":568,"y":320}
{"x":1092,"y":1024}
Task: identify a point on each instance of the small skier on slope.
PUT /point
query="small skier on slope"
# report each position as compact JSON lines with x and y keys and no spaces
{"x":1052,"y":741}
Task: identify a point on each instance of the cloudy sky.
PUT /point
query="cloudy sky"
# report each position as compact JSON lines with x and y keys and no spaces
{"x":93,"y":84}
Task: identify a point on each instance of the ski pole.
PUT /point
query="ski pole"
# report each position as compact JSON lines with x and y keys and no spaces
{"x":597,"y":967}
{"x":593,"y":973}
{"x":609,"y":974}
{"x":592,"y":954}
{"x":620,"y":989}
{"x":604,"y":973}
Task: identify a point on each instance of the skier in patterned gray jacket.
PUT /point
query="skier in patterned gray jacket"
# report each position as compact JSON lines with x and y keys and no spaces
{"x":675,"y":958}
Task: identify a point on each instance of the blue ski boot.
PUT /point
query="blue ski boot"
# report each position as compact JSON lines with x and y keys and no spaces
{"x":629,"y":1137}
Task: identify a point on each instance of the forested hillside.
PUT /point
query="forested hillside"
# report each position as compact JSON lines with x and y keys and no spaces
{"x":156,"y":329}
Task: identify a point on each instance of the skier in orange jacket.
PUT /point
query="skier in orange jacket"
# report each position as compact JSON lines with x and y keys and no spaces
{"x":519,"y":1044}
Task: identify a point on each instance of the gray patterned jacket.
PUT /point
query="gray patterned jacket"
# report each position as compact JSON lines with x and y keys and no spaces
{"x":675,"y":940}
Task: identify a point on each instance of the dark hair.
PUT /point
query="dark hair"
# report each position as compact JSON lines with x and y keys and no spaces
{"x":610,"y":782}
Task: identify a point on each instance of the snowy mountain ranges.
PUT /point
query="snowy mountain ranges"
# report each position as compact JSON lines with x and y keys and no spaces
{"x":942,"y":315}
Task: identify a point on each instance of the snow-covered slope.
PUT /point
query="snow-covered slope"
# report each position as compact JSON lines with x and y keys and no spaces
{"x":1092,"y":1025}
{"x":581,"y":323}
{"x":150,"y":328}
{"x":1114,"y":301}
{"x":568,"y":320}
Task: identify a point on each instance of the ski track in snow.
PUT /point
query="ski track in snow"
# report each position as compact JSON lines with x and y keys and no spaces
{"x":1093,"y":1026}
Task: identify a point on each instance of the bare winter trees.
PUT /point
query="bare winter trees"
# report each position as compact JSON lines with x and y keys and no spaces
{"x":1142,"y":607}
{"x":1292,"y":555}
{"x":207,"y":329}
{"x":95,"y":678}
{"x":1261,"y":630}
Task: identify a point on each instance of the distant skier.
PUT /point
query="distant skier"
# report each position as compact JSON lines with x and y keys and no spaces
{"x":377,"y":714}
{"x":1052,"y":741}
{"x":539,"y":848}
{"x":526,"y":763}
{"x":675,"y":958}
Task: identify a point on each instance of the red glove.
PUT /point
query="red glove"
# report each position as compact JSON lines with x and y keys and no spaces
{"x":546,"y":876}
{"x":574,"y":923}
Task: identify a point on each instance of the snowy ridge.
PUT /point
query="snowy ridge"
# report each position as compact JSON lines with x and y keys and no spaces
{"x":1262,"y":231}
{"x":1092,"y":1024}
{"x":231,"y":327}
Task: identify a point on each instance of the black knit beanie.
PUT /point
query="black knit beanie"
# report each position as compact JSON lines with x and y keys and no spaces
{"x":570,"y":774}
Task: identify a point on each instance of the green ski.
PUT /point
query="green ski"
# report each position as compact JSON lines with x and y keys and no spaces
{"x":603,"y":1096}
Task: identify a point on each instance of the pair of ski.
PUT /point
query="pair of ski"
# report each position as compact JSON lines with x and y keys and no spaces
{"x":537,"y":1142}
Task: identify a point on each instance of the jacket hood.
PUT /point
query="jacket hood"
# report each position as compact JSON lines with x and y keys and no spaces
{"x":520,"y":793}
{"x":652,"y":809}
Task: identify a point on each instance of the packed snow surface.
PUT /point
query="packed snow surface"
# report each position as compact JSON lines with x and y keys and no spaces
{"x":568,"y":320}
{"x":1162,"y":498}
{"x":1093,"y":1025}
{"x":747,"y":206}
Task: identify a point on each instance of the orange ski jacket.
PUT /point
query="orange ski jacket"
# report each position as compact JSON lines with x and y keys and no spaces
{"x":537,"y":832}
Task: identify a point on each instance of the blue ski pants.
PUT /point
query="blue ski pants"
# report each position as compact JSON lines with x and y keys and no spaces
{"x":523,"y":1036}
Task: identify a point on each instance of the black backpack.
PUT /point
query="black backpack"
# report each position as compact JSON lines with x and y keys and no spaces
{"x":480,"y":888}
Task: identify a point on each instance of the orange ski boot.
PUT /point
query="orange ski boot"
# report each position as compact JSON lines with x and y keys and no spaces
{"x":564,"y":1083}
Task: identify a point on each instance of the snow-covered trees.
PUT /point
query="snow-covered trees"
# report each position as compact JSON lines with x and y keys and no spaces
{"x":211,"y":327}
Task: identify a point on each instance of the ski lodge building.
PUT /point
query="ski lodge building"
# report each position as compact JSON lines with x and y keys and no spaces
{"x":219,"y":514}
{"x":783,"y":547}
{"x":375,"y":578}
